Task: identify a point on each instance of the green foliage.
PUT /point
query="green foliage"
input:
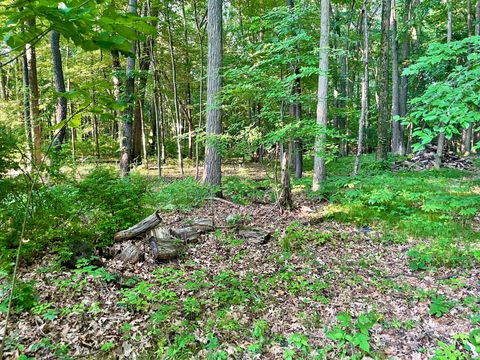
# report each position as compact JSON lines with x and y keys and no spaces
{"x":8,"y":147}
{"x":91,"y":25}
{"x":450,"y":102}
{"x":297,"y":236}
{"x":24,"y":295}
{"x":435,"y":206}
{"x":181,"y":195}
{"x":353,"y":333}
{"x":62,"y":215}
{"x":463,"y":347}
{"x":440,"y":306}
{"x":243,"y":190}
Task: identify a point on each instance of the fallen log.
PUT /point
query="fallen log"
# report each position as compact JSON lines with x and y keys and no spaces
{"x":131,"y":254}
{"x":162,"y":244}
{"x":140,"y":228}
{"x":193,"y":230}
{"x":254,"y":235}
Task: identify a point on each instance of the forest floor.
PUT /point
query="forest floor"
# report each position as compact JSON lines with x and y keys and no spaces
{"x":326,"y":285}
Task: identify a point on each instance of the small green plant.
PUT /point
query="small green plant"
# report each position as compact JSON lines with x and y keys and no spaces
{"x":191,"y":307}
{"x":241,"y":190}
{"x":440,"y":306}
{"x":24,"y":297}
{"x":259,"y":332}
{"x":349,"y":333}
{"x":297,"y":236}
{"x":106,"y":347}
{"x":462,"y":347}
{"x":300,"y":344}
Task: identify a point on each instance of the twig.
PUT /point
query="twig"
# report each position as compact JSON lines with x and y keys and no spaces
{"x":224,"y":201}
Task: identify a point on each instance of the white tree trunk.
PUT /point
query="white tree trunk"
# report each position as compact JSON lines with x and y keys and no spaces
{"x":212,"y":175}
{"x":319,"y":170}
{"x":364,"y":113}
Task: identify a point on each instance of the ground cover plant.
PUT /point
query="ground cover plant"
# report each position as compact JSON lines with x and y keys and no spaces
{"x":242,"y":179}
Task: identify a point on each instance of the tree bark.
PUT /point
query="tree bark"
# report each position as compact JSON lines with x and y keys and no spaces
{"x":127,"y":120}
{"x":398,"y":145}
{"x":382,"y":143}
{"x":364,"y":111}
{"x":468,"y":132}
{"x":213,"y":175}
{"x":117,"y":84}
{"x":296,"y":111}
{"x":441,"y":136}
{"x":178,"y":125}
{"x":403,"y":90}
{"x":59,"y":81}
{"x":37,"y":139}
{"x":188,"y":93}
{"x":285,"y":199}
{"x":26,"y":110}
{"x":138,"y":115}
{"x":143,"y":226}
{"x":319,"y":170}
{"x":199,"y":23}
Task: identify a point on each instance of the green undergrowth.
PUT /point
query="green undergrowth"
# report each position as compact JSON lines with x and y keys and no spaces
{"x":68,"y":212}
{"x":435,"y":207}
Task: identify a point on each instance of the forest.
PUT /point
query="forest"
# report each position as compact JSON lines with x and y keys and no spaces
{"x":240,"y":179}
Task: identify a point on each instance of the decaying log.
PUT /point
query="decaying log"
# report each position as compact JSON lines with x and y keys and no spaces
{"x":193,"y":230}
{"x":162,"y":244}
{"x":254,"y":235}
{"x":140,"y":228}
{"x":131,"y":254}
{"x":153,"y":246}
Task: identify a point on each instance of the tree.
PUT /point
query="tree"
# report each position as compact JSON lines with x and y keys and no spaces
{"x":441,"y":136}
{"x":319,"y":169}
{"x":178,"y":125}
{"x":127,"y":121}
{"x":364,"y":111}
{"x":59,"y":81}
{"x":34,"y":95}
{"x":398,"y":146}
{"x":296,"y":109}
{"x":468,"y":132}
{"x":382,"y":143}
{"x":213,"y":175}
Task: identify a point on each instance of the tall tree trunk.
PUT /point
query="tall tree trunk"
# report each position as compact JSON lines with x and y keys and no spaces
{"x":403,"y":90}
{"x":188,"y":93}
{"x":319,"y":170}
{"x":468,"y":132}
{"x":127,"y":120}
{"x":398,"y":145}
{"x":59,"y":81}
{"x":26,"y":110}
{"x":178,"y":125}
{"x":117,"y":84}
{"x":139,"y":142}
{"x":364,"y":113}
{"x":296,"y":111}
{"x":199,"y":23}
{"x":441,"y":136}
{"x":213,"y":165}
{"x":34,"y":101}
{"x":285,"y":199}
{"x":138,"y":129}
{"x":3,"y":85}
{"x":382,"y":144}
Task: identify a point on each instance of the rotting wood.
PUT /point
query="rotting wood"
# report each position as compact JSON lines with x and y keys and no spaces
{"x":139,"y":228}
{"x":256,"y":236}
{"x":163,"y":245}
{"x":192,"y":231}
{"x":131,"y":254}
